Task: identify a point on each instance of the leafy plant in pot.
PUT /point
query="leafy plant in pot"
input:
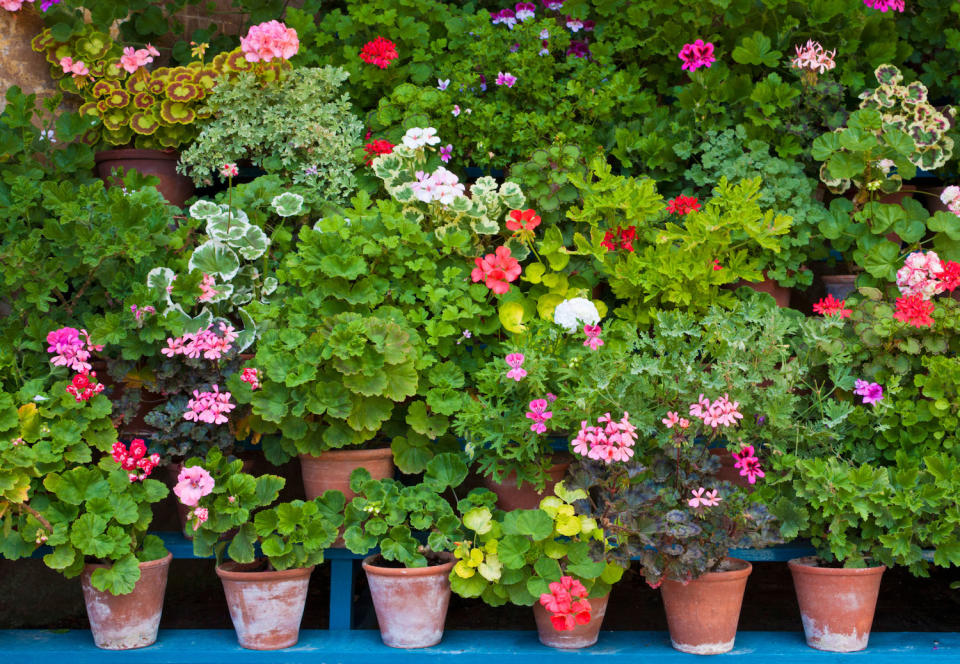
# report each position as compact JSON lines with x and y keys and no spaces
{"x":409,"y":581}
{"x":548,"y":557}
{"x":273,"y":549}
{"x":676,"y":516}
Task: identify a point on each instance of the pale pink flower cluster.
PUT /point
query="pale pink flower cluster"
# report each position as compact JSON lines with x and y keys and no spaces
{"x":210,"y":407}
{"x":229,"y":170}
{"x":133,"y":59}
{"x":205,"y":342}
{"x":721,"y":412}
{"x":199,"y":515}
{"x":70,"y":350}
{"x":251,"y":376}
{"x":704,"y":498}
{"x":673,"y":418}
{"x":75,"y":67}
{"x":612,"y":441}
{"x":515,"y":362}
{"x":13,"y":5}
{"x":441,"y":185}
{"x":593,"y":336}
{"x":269,"y":40}
{"x":193,"y":483}
{"x":919,"y":275}
{"x":138,"y":313}
{"x":207,"y":290}
{"x":950,"y":197}
{"x":539,"y":414}
{"x":814,"y":57}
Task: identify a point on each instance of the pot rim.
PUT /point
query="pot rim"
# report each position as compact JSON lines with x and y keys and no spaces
{"x":430,"y":570}
{"x":233,"y":571}
{"x":807,"y":565}
{"x":350,"y":455}
{"x":723,"y":576}
{"x":159,"y":562}
{"x":135,"y":153}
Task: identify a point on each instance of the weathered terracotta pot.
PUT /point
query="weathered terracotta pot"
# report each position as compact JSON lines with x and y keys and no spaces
{"x":174,"y":187}
{"x":769,"y":286}
{"x":703,"y":614}
{"x":124,"y":622}
{"x":266,"y":607}
{"x":581,"y":636}
{"x":525,"y":497}
{"x":411,"y":603}
{"x":839,"y":285}
{"x":836,"y":603}
{"x":331,"y":470}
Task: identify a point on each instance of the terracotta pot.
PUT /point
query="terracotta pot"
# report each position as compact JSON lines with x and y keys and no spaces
{"x":331,"y":470}
{"x":770,"y":287}
{"x":840,"y":285}
{"x":836,"y":603}
{"x":266,"y":607}
{"x":581,"y":636}
{"x":174,"y":187}
{"x":896,"y":198}
{"x":727,"y":472}
{"x":411,"y":603}
{"x":703,"y":614}
{"x":124,"y":622}
{"x":525,"y":497}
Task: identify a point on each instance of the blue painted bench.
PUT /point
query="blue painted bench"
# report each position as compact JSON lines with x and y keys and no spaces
{"x":193,"y":646}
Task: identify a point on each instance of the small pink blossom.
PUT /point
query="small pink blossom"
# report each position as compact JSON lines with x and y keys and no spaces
{"x":704,"y":498}
{"x":748,"y":464}
{"x":813,"y":57}
{"x":210,"y":407}
{"x":525,"y":10}
{"x":71,"y":348}
{"x":506,"y":78}
{"x":920,"y":275}
{"x":205,"y":342}
{"x":696,"y":55}
{"x":612,"y":441}
{"x":539,"y":414}
{"x":886,"y":5}
{"x":75,"y":67}
{"x":551,"y":397}
{"x":505,"y":16}
{"x":446,"y":152}
{"x":193,"y":483}
{"x":871,"y":392}
{"x":207,"y":290}
{"x":133,"y":59}
{"x":593,"y":336}
{"x":515,"y":362}
{"x":251,"y":376}
{"x":229,"y":170}
{"x":721,"y":412}
{"x":199,"y":515}
{"x":269,"y":40}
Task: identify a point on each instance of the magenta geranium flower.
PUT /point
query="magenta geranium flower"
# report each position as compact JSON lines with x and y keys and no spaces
{"x":193,"y":483}
{"x":871,"y":392}
{"x":515,"y":362}
{"x":886,"y":5}
{"x":696,"y":55}
{"x":539,"y":414}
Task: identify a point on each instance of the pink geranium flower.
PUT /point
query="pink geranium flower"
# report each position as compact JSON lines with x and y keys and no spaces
{"x":704,"y":498}
{"x":611,"y":441}
{"x":696,"y":55}
{"x":497,"y":270}
{"x":515,"y":362}
{"x":269,"y":40}
{"x":593,"y":336}
{"x":252,"y":377}
{"x":871,"y":392}
{"x":886,"y":5}
{"x":567,"y":601}
{"x":506,"y":78}
{"x":71,"y":348}
{"x":193,"y":483}
{"x":748,"y":463}
{"x":539,"y":414}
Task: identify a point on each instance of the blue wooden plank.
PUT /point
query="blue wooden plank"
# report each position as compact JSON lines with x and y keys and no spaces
{"x":469,"y":647}
{"x":341,"y":593}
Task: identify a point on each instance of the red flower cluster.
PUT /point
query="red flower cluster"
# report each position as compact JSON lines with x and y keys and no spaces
{"x":82,"y":388}
{"x":830,"y":306}
{"x":523,"y":220}
{"x":380,"y":52}
{"x":567,"y":601}
{"x":716,"y":265}
{"x":376,"y":148}
{"x":620,"y":238}
{"x":135,"y":460}
{"x":496,"y":270}
{"x":682,"y":205}
{"x":949,"y":276}
{"x":914,"y":310}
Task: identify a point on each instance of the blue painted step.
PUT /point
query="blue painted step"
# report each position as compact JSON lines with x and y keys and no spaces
{"x":191,"y":646}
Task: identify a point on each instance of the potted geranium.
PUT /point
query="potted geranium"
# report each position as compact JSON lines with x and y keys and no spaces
{"x":273,"y":549}
{"x":409,"y":580}
{"x":548,"y":557}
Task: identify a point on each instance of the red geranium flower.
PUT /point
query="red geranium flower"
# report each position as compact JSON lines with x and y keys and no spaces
{"x":620,"y":238}
{"x":682,"y":205}
{"x":380,"y":52}
{"x":497,"y":270}
{"x":523,"y":220}
{"x":377,"y":148}
{"x":914,"y":310}
{"x":949,"y":276}
{"x":829,"y":306}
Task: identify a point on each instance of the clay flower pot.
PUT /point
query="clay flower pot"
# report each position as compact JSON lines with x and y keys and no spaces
{"x":581,"y":636}
{"x":411,"y":603}
{"x":769,"y":286}
{"x":836,"y":603}
{"x":703,"y":614}
{"x":331,"y":470}
{"x":525,"y":497}
{"x":174,"y":187}
{"x":124,"y":622}
{"x":266,"y":607}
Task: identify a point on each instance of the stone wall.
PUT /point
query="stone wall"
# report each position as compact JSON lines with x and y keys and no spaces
{"x":19,"y":64}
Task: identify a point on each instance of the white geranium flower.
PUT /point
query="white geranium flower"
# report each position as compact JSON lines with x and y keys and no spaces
{"x":572,"y":314}
{"x":417,"y":137}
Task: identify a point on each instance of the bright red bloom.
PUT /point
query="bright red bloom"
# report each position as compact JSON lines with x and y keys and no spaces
{"x":497,"y":270}
{"x":949,"y":276}
{"x":716,"y":265}
{"x":829,"y":306}
{"x":914,"y":310}
{"x":682,"y":205}
{"x":380,"y":52}
{"x":377,"y":148}
{"x":84,"y":386}
{"x":523,"y":220}
{"x":620,"y":238}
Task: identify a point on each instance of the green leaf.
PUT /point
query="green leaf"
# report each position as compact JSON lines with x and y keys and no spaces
{"x":512,"y":550}
{"x":479,"y":520}
{"x":216,"y":259}
{"x":241,"y":546}
{"x":445,"y":470}
{"x":120,"y":578}
{"x":531,"y":523}
{"x":755,"y":50}
{"x":61,"y":557}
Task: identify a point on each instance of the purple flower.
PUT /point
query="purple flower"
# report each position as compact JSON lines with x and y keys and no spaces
{"x":47,"y":4}
{"x":579,"y":49}
{"x":515,"y":48}
{"x":445,"y":153}
{"x":442,"y":83}
{"x":506,"y":78}
{"x":544,"y":34}
{"x":505,"y":16}
{"x":310,"y":170}
{"x":553,"y":5}
{"x":483,"y":83}
{"x":525,"y":10}
{"x":871,"y":392}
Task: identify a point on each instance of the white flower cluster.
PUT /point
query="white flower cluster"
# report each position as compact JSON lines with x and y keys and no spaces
{"x":418,"y":137}
{"x":441,"y":185}
{"x":571,"y":314}
{"x":951,"y":198}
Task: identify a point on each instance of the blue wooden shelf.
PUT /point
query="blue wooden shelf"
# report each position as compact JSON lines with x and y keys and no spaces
{"x":191,"y":646}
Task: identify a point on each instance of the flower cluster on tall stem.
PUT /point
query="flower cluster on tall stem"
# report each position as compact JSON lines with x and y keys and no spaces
{"x":812,"y":57}
{"x":539,"y":414}
{"x":269,"y":40}
{"x":830,"y":306}
{"x":205,"y":342}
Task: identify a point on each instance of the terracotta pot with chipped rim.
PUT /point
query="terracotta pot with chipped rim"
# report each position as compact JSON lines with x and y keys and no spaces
{"x":125,"y":622}
{"x":174,"y":187}
{"x":331,"y":470}
{"x":836,"y":603}
{"x":266,"y":607}
{"x":581,"y":636}
{"x":703,"y":614}
{"x":410,"y":602}
{"x":525,"y":497}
